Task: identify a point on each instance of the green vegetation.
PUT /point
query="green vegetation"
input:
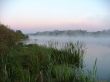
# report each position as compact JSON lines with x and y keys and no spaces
{"x":9,"y":38}
{"x":34,"y":63}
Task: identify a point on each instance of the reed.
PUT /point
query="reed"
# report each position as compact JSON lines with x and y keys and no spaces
{"x":34,"y":63}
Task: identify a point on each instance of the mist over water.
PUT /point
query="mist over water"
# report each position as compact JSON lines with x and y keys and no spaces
{"x":95,"y":47}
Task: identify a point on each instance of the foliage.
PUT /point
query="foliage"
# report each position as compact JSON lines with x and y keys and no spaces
{"x":9,"y":38}
{"x":34,"y":63}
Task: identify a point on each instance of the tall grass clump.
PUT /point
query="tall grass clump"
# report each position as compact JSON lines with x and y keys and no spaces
{"x":34,"y":63}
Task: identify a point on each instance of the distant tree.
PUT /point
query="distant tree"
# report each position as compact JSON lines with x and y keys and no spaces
{"x":21,"y":35}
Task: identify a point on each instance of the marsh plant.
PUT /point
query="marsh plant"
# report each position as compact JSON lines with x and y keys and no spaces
{"x":34,"y":63}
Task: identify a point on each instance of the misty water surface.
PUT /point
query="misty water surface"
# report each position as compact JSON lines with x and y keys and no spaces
{"x":95,"y":47}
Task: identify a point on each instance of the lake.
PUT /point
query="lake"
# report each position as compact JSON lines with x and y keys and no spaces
{"x":95,"y":47}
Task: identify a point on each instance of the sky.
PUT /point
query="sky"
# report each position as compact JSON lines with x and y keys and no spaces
{"x":43,"y":15}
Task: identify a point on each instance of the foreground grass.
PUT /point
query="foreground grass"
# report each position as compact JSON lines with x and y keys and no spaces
{"x":34,"y":63}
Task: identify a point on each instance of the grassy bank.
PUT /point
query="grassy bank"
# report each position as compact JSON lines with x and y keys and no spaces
{"x":34,"y":63}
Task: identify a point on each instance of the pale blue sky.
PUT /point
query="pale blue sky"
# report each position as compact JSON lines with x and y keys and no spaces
{"x":40,"y":15}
